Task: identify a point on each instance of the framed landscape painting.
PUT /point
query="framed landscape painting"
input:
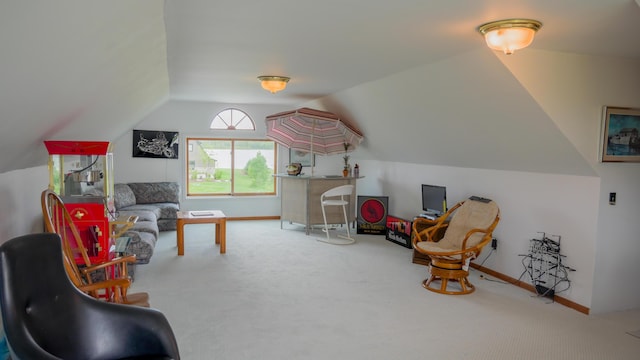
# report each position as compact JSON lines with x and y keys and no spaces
{"x":620,"y":135}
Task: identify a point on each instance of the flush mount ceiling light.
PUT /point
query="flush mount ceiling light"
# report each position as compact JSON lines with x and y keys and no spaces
{"x":509,"y":35}
{"x":273,"y":84}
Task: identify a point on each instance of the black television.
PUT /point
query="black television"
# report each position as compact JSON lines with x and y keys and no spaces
{"x":434,"y":200}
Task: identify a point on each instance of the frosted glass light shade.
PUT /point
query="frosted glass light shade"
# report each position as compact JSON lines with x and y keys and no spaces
{"x":509,"y":35}
{"x":273,"y":84}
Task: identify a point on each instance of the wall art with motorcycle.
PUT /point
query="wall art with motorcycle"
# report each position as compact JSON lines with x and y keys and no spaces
{"x":155,"y":144}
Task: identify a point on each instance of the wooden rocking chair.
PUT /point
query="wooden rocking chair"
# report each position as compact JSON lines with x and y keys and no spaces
{"x":115,"y":280}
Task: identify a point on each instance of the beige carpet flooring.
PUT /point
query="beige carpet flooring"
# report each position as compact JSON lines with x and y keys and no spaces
{"x":280,"y":294}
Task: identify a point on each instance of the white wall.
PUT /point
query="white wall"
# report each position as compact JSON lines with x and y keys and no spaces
{"x":618,"y":245}
{"x":573,"y":89}
{"x":20,"y":211}
{"x":193,"y":119}
{"x":529,"y":203}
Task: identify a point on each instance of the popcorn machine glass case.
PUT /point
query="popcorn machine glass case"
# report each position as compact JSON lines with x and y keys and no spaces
{"x":81,"y":172}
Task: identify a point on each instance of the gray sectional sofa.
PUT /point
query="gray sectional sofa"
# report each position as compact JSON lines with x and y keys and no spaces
{"x":156,"y":204}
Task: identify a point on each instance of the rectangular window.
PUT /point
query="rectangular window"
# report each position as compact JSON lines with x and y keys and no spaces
{"x":230,"y":167}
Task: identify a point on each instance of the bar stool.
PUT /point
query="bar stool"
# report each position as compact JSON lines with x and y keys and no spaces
{"x":341,"y":191}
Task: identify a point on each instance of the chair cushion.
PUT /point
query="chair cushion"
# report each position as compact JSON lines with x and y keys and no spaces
{"x":437,"y":247}
{"x":471,"y":215}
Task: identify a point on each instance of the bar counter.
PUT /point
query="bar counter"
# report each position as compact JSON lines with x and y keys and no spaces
{"x":300,"y":200}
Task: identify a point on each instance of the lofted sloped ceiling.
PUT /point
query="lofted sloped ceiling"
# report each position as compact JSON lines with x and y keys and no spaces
{"x":76,"y":70}
{"x":91,"y":70}
{"x":466,"y":111}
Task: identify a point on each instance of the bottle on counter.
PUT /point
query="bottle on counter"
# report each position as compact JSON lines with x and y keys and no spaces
{"x":356,"y":171}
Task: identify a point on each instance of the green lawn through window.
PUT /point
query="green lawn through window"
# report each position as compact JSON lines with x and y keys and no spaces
{"x":244,"y":184}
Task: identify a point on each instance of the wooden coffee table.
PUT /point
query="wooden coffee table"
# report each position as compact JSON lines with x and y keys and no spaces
{"x":202,"y":217}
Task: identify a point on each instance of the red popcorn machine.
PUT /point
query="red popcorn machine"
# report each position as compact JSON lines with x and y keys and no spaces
{"x":81,"y":173}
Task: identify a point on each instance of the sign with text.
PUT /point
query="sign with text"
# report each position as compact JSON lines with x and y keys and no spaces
{"x":399,"y":231}
{"x":372,"y":214}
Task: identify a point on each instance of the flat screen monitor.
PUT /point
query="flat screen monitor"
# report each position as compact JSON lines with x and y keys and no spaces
{"x":434,"y":199}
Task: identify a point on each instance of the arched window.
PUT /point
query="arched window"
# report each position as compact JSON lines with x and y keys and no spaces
{"x":232,"y":119}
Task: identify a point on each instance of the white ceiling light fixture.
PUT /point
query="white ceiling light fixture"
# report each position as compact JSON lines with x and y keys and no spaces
{"x":273,"y":84}
{"x":509,"y":35}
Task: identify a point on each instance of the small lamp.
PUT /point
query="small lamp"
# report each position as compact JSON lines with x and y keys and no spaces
{"x":273,"y":84}
{"x":509,"y":35}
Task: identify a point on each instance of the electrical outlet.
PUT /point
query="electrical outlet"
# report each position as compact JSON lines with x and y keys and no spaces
{"x":494,"y":243}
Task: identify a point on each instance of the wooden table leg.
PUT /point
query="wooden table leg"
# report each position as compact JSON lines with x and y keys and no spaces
{"x":222,"y":230}
{"x":180,"y":236}
{"x":217,"y":232}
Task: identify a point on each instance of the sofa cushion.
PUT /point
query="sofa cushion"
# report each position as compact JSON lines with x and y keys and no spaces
{"x":134,"y":209}
{"x":168,"y":210}
{"x":167,"y":224}
{"x":156,"y":192}
{"x":150,"y":227}
{"x":143,"y":215}
{"x":141,"y":244}
{"x":123,"y":196}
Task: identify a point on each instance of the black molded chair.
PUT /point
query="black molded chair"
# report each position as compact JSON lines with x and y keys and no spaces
{"x":46,"y":317}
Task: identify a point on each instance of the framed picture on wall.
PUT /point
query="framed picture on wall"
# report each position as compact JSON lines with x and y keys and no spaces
{"x":155,"y":144}
{"x":620,"y":135}
{"x":302,"y":157}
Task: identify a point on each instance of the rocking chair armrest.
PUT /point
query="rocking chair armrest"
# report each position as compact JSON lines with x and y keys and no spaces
{"x":105,"y":285}
{"x":419,"y":235}
{"x":129,"y":259}
{"x":125,"y":258}
{"x":428,"y":230}
{"x":484,"y":241}
{"x":425,"y":223}
{"x":488,"y":232}
{"x":464,"y":250}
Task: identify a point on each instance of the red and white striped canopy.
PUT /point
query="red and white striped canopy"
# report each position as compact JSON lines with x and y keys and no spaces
{"x":314,"y":131}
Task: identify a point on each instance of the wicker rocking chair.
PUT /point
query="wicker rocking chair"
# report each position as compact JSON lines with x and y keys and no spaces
{"x":456,"y":238}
